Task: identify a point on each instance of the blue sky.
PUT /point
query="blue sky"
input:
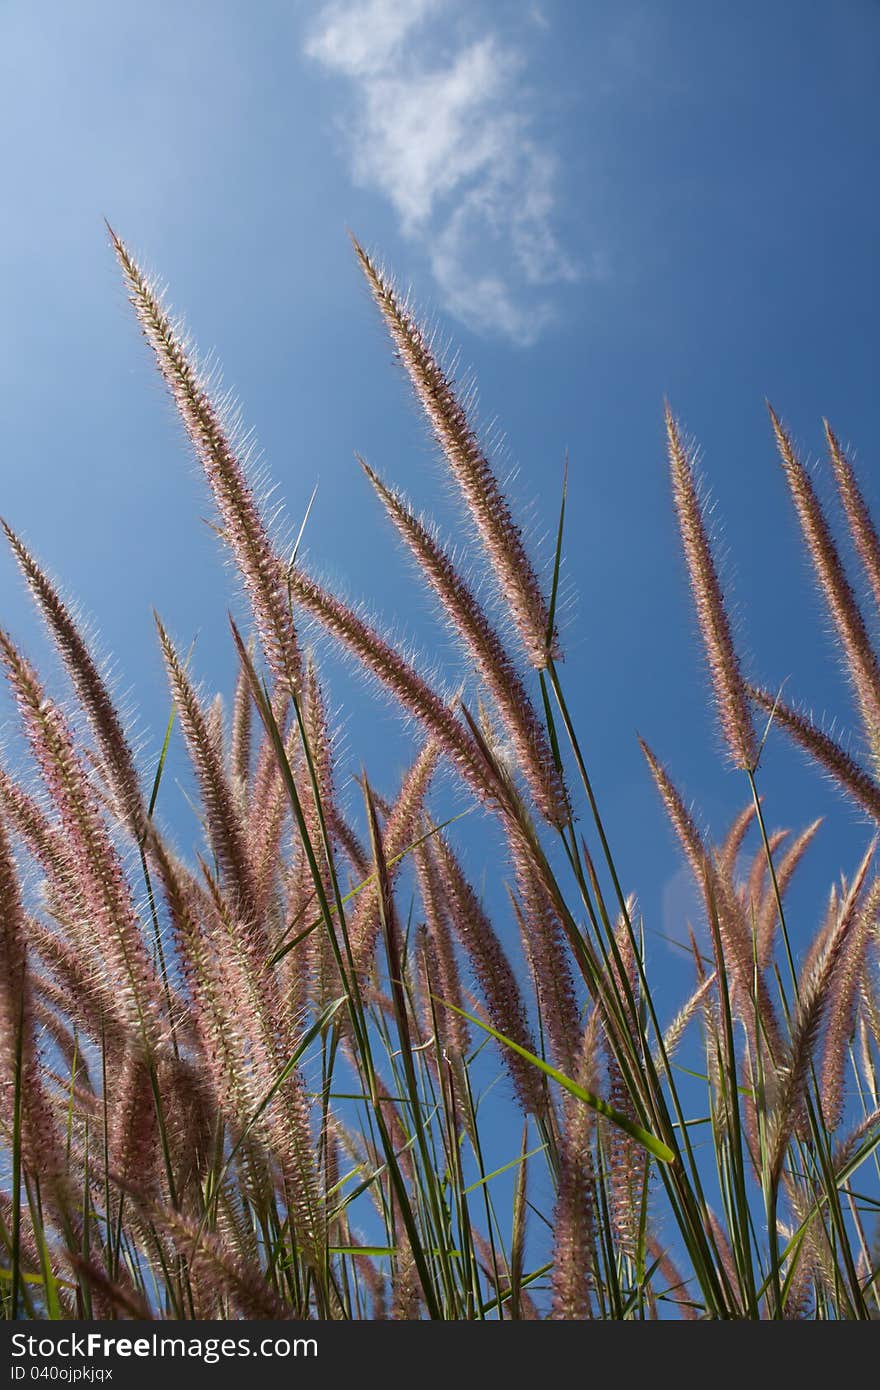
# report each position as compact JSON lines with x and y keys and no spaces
{"x":601,"y":205}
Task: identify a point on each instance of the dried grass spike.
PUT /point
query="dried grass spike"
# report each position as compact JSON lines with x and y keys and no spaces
{"x":399,"y":676}
{"x":861,"y":525}
{"x":501,"y":537}
{"x":227,"y":840}
{"x":116,"y":756}
{"x":849,"y":775}
{"x":730,"y":693}
{"x":468,"y":618}
{"x":842,"y":603}
{"x":261,"y":568}
{"x":816,"y":993}
{"x":842,"y":1011}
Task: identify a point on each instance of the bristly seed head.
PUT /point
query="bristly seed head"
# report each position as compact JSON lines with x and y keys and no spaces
{"x":852,"y":633}
{"x":849,"y":775}
{"x":482,"y":641}
{"x":261,"y":568}
{"x":861,"y":526}
{"x":491,"y":515}
{"x":730,"y":696}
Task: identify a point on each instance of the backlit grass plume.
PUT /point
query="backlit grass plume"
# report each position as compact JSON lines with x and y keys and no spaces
{"x":117,"y":758}
{"x":469,"y":466}
{"x":260,"y":567}
{"x":842,"y":767}
{"x":533,"y":753}
{"x":731,"y":701}
{"x":859,"y":520}
{"x":852,"y":633}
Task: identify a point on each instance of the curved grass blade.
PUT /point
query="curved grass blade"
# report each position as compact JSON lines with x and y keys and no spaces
{"x":648,"y":1141}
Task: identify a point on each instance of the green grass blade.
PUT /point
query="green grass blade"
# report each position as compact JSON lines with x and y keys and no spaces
{"x":648,"y":1141}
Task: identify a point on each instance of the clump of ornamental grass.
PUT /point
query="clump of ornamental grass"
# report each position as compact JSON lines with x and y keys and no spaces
{"x":259,"y":1083}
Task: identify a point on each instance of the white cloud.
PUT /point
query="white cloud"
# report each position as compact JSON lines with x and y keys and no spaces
{"x":360,"y":37}
{"x":449,"y":141}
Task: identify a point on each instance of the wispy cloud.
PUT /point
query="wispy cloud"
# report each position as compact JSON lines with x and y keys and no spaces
{"x":450,"y":141}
